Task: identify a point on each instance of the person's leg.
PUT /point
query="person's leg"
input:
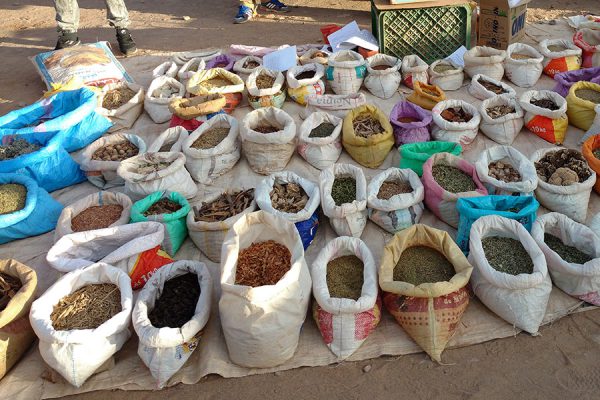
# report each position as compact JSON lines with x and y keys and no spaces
{"x":67,"y":22}
{"x":246,"y":11}
{"x":118,"y":17}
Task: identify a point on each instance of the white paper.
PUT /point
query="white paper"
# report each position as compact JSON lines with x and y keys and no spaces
{"x":458,"y":56}
{"x":340,"y":36}
{"x":281,"y":60}
{"x":364,"y":39}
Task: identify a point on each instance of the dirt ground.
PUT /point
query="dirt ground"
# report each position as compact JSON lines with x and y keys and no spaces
{"x":560,"y":363}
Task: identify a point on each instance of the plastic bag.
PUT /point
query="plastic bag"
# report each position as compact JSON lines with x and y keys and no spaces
{"x":270,"y":97}
{"x":320,"y":152}
{"x":205,"y":165}
{"x":63,"y":226}
{"x":200,"y":84}
{"x":305,"y":220}
{"x":416,"y":127}
{"x":244,"y":72}
{"x":221,"y":61}
{"x":336,"y":105}
{"x":156,"y":105}
{"x":477,"y":90}
{"x":502,"y":129}
{"x":458,"y":132}
{"x":547,"y":124}
{"x":520,"y":300}
{"x":188,"y":69}
{"x":564,"y":80}
{"x":300,"y":89}
{"x":438,"y":305}
{"x":345,"y":323}
{"x":589,"y":42}
{"x":314,"y":56}
{"x":426,"y":96}
{"x":348,"y":219}
{"x":167,"y":68}
{"x":451,"y":79}
{"x":371,"y":151}
{"x":523,"y":72}
{"x":399,"y":211}
{"x":197,"y":106}
{"x":345,"y":72}
{"x":592,"y":144}
{"x":485,"y":61}
{"x":440,"y":201}
{"x":256,"y":318}
{"x":414,"y":155}
{"x":77,"y":354}
{"x":568,"y":59}
{"x":414,"y":69}
{"x":268,"y":152}
{"x":581,"y":112}
{"x":383,"y":83}
{"x":165,"y":350}
{"x":170,"y":140}
{"x":512,"y":156}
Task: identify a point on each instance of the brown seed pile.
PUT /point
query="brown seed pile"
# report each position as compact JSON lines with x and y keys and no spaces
{"x":215,"y":83}
{"x":96,"y":217}
{"x":116,"y":152}
{"x":163,"y":206}
{"x":306,"y":75}
{"x":225,"y":206}
{"x":251,"y":64}
{"x":265,"y":81}
{"x":288,"y":197}
{"x":345,"y":277}
{"x":507,"y":255}
{"x":210,"y":138}
{"x":566,"y":159}
{"x":150,"y":166}
{"x":177,"y":302}
{"x":87,"y":308}
{"x":324,"y":129}
{"x":500,"y":111}
{"x":456,"y":114}
{"x":492,"y":87}
{"x":521,"y":56}
{"x":381,"y":67}
{"x":9,"y":286}
{"x":556,"y":48}
{"x":12,"y":197}
{"x":17,"y":148}
{"x":266,"y":129}
{"x":423,"y":264}
{"x":407,"y":120}
{"x":116,"y":97}
{"x":366,"y":125}
{"x":589,"y":95}
{"x":389,"y":189}
{"x":441,"y":68}
{"x":503,"y":171}
{"x":452,"y":179}
{"x":545,"y":103}
{"x":263,"y":263}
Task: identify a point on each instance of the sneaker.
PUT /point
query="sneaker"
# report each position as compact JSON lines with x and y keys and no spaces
{"x":126,"y":43}
{"x":244,"y":14}
{"x":67,"y":39}
{"x":275,"y":5}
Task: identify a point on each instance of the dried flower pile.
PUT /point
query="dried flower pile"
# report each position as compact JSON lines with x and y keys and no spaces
{"x":563,"y":167}
{"x":96,"y":217}
{"x":365,"y":125}
{"x":263,"y":263}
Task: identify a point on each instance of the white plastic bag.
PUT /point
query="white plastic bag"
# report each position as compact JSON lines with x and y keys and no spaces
{"x":555,"y":62}
{"x":383,"y":83}
{"x":166,"y":350}
{"x":451,"y":79}
{"x":348,"y":219}
{"x":157,"y":105}
{"x":486,"y":61}
{"x":300,"y":89}
{"x":254,"y":90}
{"x":523,"y":72}
{"x":124,"y":116}
{"x":188,"y":69}
{"x":346,"y":72}
{"x":459,"y":132}
{"x":522,"y":164}
{"x":502,"y":130}
{"x":414,"y":69}
{"x":168,"y":68}
{"x":310,"y":56}
{"x":240,"y":69}
{"x":477,"y":90}
{"x":520,"y":300}
{"x":320,"y":152}
{"x":400,"y":211}
{"x":336,"y":105}
{"x":170,"y":140}
{"x":77,"y":354}
{"x":262,"y":324}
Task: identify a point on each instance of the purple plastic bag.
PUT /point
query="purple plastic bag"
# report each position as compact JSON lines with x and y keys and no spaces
{"x":410,"y":132}
{"x":221,"y":59}
{"x":564,"y":80}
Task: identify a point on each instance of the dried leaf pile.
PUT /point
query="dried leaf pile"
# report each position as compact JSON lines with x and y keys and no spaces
{"x":568,"y":253}
{"x":456,"y":114}
{"x":389,"y":189}
{"x":365,"y":125}
{"x":503,"y":171}
{"x":9,"y":286}
{"x":163,"y":206}
{"x":423,"y":264}
{"x":589,"y":95}
{"x":507,"y":255}
{"x":265,"y":81}
{"x":177,"y":302}
{"x":215,"y":83}
{"x":563,"y":167}
{"x":116,"y":152}
{"x":545,"y":103}
{"x":500,"y":111}
{"x":288,"y":197}
{"x":324,"y":129}
{"x":492,"y":87}
{"x":12,"y":197}
{"x":266,"y":129}
{"x":225,"y":206}
{"x":441,"y":68}
{"x":96,"y":217}
{"x":116,"y":97}
{"x":17,"y":148}
{"x":210,"y":138}
{"x":343,"y":190}
{"x":345,"y":277}
{"x":166,"y":91}
{"x":263,"y":263}
{"x":452,"y":179}
{"x":151,"y":165}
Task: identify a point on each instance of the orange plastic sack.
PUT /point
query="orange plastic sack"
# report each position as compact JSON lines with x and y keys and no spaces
{"x":426,"y":96}
{"x":589,"y":146}
{"x":146,"y":265}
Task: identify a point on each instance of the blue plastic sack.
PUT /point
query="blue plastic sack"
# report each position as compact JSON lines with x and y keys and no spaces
{"x":39,"y":215}
{"x":471,"y":208}
{"x":308,"y":229}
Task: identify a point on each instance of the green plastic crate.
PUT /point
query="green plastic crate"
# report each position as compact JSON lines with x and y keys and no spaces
{"x":432,"y":33}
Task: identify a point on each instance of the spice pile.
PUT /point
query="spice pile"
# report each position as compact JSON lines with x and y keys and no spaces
{"x":570,"y":254}
{"x":441,"y":67}
{"x":215,"y":83}
{"x":12,"y":197}
{"x":452,"y":179}
{"x":492,"y":87}
{"x":116,"y":97}
{"x":456,"y":114}
{"x":87,"y":308}
{"x":500,"y":111}
{"x":17,"y":148}
{"x":288,"y":197}
{"x":151,"y":165}
{"x":177,"y":302}
{"x":503,"y":171}
{"x":545,"y":103}
{"x":306,"y":75}
{"x":210,"y":138}
{"x":389,"y":189}
{"x":382,"y":67}
{"x":324,"y":129}
{"x":343,"y":190}
{"x":365,"y":125}
{"x":520,"y":56}
{"x":116,"y":152}
{"x":266,"y":128}
{"x":225,"y":206}
{"x":423,"y":264}
{"x":563,"y":167}
{"x":556,"y":48}
{"x":319,"y":54}
{"x":96,"y":217}
{"x":589,"y":95}
{"x":263,"y":263}
{"x":163,"y":206}
{"x":9,"y":286}
{"x":250,"y":64}
{"x":265,"y":81}
{"x":166,"y":91}
{"x":507,"y":255}
{"x":345,"y":277}
{"x":408,"y":120}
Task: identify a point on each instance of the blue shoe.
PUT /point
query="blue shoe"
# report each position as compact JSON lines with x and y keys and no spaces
{"x":275,"y":5}
{"x":244,"y":14}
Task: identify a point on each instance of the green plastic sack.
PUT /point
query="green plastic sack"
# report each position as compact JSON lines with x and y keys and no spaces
{"x":174,"y":223}
{"x":414,"y":155}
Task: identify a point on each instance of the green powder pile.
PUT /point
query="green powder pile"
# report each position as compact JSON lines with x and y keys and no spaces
{"x":345,"y":277}
{"x":423,"y":264}
{"x":507,"y":255}
{"x":324,"y":129}
{"x":568,"y":253}
{"x":452,"y":179}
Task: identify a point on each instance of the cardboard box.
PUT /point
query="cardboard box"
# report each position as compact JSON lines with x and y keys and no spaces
{"x":499,"y":24}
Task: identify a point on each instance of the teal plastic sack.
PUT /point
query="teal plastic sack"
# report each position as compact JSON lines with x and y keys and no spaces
{"x":520,"y":208}
{"x":39,"y":215}
{"x":414,"y":155}
{"x":174,"y":223}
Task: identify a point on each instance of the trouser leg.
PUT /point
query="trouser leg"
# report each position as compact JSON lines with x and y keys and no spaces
{"x":67,"y":15}
{"x":117,"y":14}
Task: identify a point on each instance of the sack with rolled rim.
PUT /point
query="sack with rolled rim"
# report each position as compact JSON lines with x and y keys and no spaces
{"x":477,"y":90}
{"x":523,"y":72}
{"x":451,"y":79}
{"x":320,"y":152}
{"x":171,"y":140}
{"x":167,"y":68}
{"x":345,"y":72}
{"x":124,"y":116}
{"x":581,"y":112}
{"x":414,"y":155}
{"x":485,"y":61}
{"x":198,"y":83}
{"x":413,"y":131}
{"x":158,"y":107}
{"x":426,"y":96}
{"x":555,"y":62}
{"x":188,"y":69}
{"x":459,"y":132}
{"x":524,"y":187}
{"x":589,"y":42}
{"x":309,"y":57}
{"x":504,"y":129}
{"x":223,"y":61}
{"x":383,"y":83}
{"x":414,"y":69}
{"x":548,"y":124}
{"x":300,"y":89}
{"x":564,"y":80}
{"x":267,"y":97}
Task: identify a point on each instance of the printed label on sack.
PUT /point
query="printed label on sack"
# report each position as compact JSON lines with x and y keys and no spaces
{"x":551,"y":130}
{"x":146,"y":265}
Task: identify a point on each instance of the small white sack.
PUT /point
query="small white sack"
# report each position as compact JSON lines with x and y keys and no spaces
{"x":262,"y":324}
{"x":571,"y":50}
{"x":205,"y":165}
{"x":570,"y":200}
{"x":309,"y":57}
{"x":348,"y":219}
{"x":171,"y":139}
{"x":63,"y":226}
{"x":320,"y":152}
{"x":529,"y":178}
{"x":400,"y":211}
{"x":336,"y":105}
{"x":165,"y":350}
{"x":578,"y":280}
{"x":124,"y":116}
{"x":190,"y":68}
{"x":486,"y":61}
{"x":254,"y":90}
{"x":168,"y":68}
{"x":347,"y":315}
{"x":103,"y":174}
{"x":520,"y":300}
{"x":300,"y":89}
{"x":346,"y":72}
{"x":156,"y":102}
{"x":502,"y":130}
{"x":458,"y":132}
{"x":383,"y":83}
{"x":523,"y":72}
{"x":414,"y":69}
{"x":268,"y":152}
{"x":477,"y":90}
{"x":77,"y":354}
{"x":532,"y":110}
{"x":451,"y":79}
{"x":241,"y":70}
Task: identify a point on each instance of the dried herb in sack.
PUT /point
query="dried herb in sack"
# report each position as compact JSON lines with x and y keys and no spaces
{"x":9,"y":286}
{"x":177,"y":302}
{"x":163,"y":206}
{"x":589,"y":95}
{"x":545,"y":103}
{"x":440,"y":68}
{"x":12,"y":197}
{"x":407,"y":120}
{"x":492,"y":87}
{"x":306,"y":75}
{"x":210,"y":138}
{"x":343,"y":190}
{"x":570,"y":254}
{"x":225,"y":206}
{"x":423,"y":264}
{"x":366,"y":125}
{"x":345,"y":277}
{"x":215,"y":83}
{"x":116,"y":152}
{"x":324,"y":129}
{"x":456,"y":114}
{"x":288,"y":197}
{"x":382,"y":67}
{"x":149,"y":167}
{"x":116,"y":97}
{"x":263,"y":263}
{"x":556,"y":48}
{"x":96,"y":217}
{"x":553,"y":167}
{"x":265,"y":81}
{"x":452,"y":179}
{"x":507,"y":255}
{"x":389,"y":189}
{"x":499,"y":111}
{"x":250,"y":64}
{"x":266,"y":129}
{"x":17,"y":148}
{"x":503,"y":171}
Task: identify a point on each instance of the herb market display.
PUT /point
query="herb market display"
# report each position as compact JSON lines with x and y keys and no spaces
{"x":570,"y":254}
{"x":17,"y":148}
{"x":263,"y":263}
{"x":503,"y":171}
{"x":324,"y":129}
{"x":343,"y":190}
{"x":225,"y":206}
{"x":87,"y":307}
{"x":345,"y":277}
{"x":589,"y":95}
{"x":177,"y":302}
{"x":563,"y":167}
{"x":9,"y":287}
{"x":452,"y":179}
{"x":545,"y":103}
{"x":12,"y":197}
{"x":163,"y":206}
{"x":365,"y":125}
{"x":389,"y":189}
{"x":492,"y":87}
{"x":500,"y":111}
{"x":288,"y":197}
{"x":116,"y":152}
{"x":456,"y":114}
{"x":306,"y":75}
{"x":507,"y":255}
{"x":423,"y":264}
{"x":151,"y":166}
{"x":210,"y":138}
{"x":265,"y":81}
{"x":116,"y":97}
{"x":96,"y":217}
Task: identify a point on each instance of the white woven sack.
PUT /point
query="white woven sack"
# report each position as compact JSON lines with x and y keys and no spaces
{"x":333,"y":104}
{"x":414,"y":69}
{"x":171,"y":139}
{"x":523,"y":72}
{"x":459,"y":132}
{"x":255,"y":91}
{"x":529,"y":178}
{"x":594,"y":224}
{"x":194,"y":84}
{"x":320,"y":152}
{"x":570,"y":50}
{"x":451,"y":79}
{"x":383,"y":83}
{"x":167,"y":68}
{"x":182,"y":57}
{"x":124,"y":116}
{"x":188,"y":69}
{"x":532,"y":110}
{"x":486,"y":61}
{"x":158,"y":107}
{"x":243,"y":72}
{"x":520,"y":300}
{"x":346,"y":72}
{"x":502,"y":130}
{"x":478,"y":91}
{"x":308,"y":57}
{"x":292,"y":73}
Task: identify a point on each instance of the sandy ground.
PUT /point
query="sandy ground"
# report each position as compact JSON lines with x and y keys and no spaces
{"x":560,"y":363}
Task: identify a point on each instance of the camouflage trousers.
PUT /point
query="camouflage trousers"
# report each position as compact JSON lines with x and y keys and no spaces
{"x":67,"y":14}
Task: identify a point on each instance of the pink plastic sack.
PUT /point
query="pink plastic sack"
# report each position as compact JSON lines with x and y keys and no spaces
{"x":221,"y":61}
{"x":588,"y":40}
{"x":407,"y":131}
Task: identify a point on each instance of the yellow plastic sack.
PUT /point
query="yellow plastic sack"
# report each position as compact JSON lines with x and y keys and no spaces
{"x":426,"y":96}
{"x":430,"y":312}
{"x":581,"y":112}
{"x":369,"y":152}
